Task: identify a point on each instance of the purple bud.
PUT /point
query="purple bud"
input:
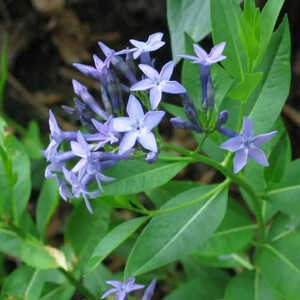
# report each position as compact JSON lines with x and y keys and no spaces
{"x":124,"y":68}
{"x":227,"y":132}
{"x":222,"y":118}
{"x":189,"y":108}
{"x":105,"y":100}
{"x":183,"y":124}
{"x":84,"y":114}
{"x":114,"y":92}
{"x":81,"y":91}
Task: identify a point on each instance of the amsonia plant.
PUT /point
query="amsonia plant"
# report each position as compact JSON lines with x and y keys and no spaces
{"x":205,"y":241}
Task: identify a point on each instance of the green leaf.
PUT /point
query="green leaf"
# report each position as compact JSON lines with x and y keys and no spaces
{"x":164,"y":193}
{"x":244,"y":89}
{"x":90,"y":228}
{"x":198,"y":289}
{"x":252,"y":286}
{"x":60,"y":292}
{"x":266,"y":102}
{"x":285,"y":196}
{"x":32,"y":141}
{"x":24,"y":282}
{"x":46,"y":205}
{"x":234,"y":233}
{"x":279,"y":158}
{"x":225,"y":22}
{"x":135,"y":176}
{"x":279,"y":260}
{"x":232,"y":260}
{"x":112,"y":240}
{"x":21,"y":168}
{"x":160,"y":243}
{"x":174,"y":110}
{"x":268,"y":18}
{"x":95,"y":281}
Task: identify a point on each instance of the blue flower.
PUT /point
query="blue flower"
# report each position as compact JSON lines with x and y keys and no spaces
{"x":245,"y":144}
{"x":122,"y":289}
{"x":158,"y":83}
{"x":204,"y":58}
{"x":137,"y":126}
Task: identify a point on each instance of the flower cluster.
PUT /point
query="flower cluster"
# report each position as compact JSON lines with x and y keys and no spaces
{"x":113,"y":130}
{"x":122,"y":289}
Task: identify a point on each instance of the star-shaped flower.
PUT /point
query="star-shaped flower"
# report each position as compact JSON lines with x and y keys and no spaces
{"x":204,"y":58}
{"x":245,"y":144}
{"x":158,"y":83}
{"x":122,"y":289}
{"x":153,"y":43}
{"x":137,"y":126}
{"x":105,"y":134}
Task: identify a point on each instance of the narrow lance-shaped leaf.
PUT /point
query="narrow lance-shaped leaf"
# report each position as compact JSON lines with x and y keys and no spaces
{"x":112,"y":240}
{"x":137,"y":176}
{"x":175,"y":234}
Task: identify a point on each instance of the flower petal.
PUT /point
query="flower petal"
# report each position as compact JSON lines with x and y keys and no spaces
{"x":233,"y":144}
{"x":109,"y":292}
{"x":79,"y":165}
{"x":216,"y":51}
{"x":134,"y":108}
{"x":166,"y":71}
{"x":142,"y":85}
{"x":173,"y":87}
{"x":53,"y":123}
{"x":155,"y":97}
{"x":155,"y":37}
{"x":240,"y":160}
{"x":148,"y":141}
{"x":263,"y":138}
{"x":127,"y":142}
{"x":115,"y":283}
{"x":259,"y":156}
{"x":149,"y":291}
{"x":87,"y":203}
{"x":138,"y":44}
{"x":247,"y":130}
{"x":122,"y":124}
{"x":137,"y":53}
{"x":153,"y":118}
{"x":155,"y":46}
{"x":149,"y":71}
{"x":105,"y":49}
{"x":193,"y":58}
{"x":78,"y":149}
{"x":201,"y":53}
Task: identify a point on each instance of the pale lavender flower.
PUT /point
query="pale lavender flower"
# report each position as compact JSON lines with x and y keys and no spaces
{"x":153,"y":43}
{"x":81,"y":91}
{"x":105,"y":134}
{"x":204,"y":58}
{"x":113,"y":57}
{"x":98,"y":72}
{"x":79,"y":187}
{"x":245,"y":144}
{"x":149,"y":291}
{"x":122,"y":289}
{"x":137,"y":126}
{"x":158,"y":83}
{"x":57,"y":136}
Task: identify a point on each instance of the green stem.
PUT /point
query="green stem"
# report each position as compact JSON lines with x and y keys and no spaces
{"x":78,"y":285}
